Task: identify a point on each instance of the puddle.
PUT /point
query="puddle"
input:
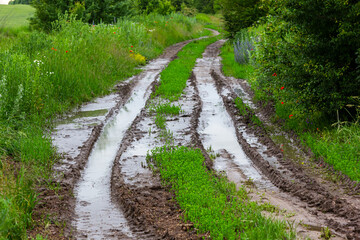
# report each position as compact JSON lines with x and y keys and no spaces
{"x":96,"y":215}
{"x":217,"y":129}
{"x":71,"y":133}
{"x":84,"y":114}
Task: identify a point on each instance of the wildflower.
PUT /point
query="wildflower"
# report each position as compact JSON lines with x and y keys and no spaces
{"x":282,"y":102}
{"x":282,"y":88}
{"x":290,"y":115}
{"x":282,"y":150}
{"x":114,"y":32}
{"x":67,"y":51}
{"x":55,"y":49}
{"x":132,"y":46}
{"x":274,"y":75}
{"x":317,"y":129}
{"x":52,"y":48}
{"x":131,"y":51}
{"x":252,"y":49}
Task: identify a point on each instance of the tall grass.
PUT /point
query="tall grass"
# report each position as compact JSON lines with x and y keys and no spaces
{"x":44,"y":75}
{"x":243,"y":47}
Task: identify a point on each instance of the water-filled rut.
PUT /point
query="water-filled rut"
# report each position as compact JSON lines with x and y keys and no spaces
{"x":97,"y":217}
{"x":216,"y":128}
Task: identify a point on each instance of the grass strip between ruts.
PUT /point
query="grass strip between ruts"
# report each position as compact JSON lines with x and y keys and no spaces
{"x":210,"y":201}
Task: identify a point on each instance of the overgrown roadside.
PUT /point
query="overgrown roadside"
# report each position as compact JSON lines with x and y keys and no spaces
{"x":295,"y":159}
{"x":45,"y":75}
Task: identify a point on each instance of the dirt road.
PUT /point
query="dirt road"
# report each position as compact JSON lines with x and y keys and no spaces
{"x":105,"y":144}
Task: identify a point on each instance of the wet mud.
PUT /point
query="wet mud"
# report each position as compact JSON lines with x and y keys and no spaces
{"x":140,"y":206}
{"x":336,"y":211}
{"x":76,"y":137}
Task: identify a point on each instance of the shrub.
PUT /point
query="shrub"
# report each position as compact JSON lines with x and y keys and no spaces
{"x":311,"y":46}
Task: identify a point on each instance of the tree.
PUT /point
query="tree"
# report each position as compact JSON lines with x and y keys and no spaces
{"x":92,"y":11}
{"x":240,"y":14}
{"x":13,"y":2}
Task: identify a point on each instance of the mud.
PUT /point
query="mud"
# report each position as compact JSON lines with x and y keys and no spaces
{"x":143,"y":208}
{"x":336,"y":211}
{"x":76,"y":135}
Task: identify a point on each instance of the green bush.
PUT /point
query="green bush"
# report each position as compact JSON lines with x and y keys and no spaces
{"x":311,"y":46}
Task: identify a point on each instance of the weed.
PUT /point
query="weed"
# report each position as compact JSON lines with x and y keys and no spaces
{"x":325,"y":233}
{"x":160,"y":121}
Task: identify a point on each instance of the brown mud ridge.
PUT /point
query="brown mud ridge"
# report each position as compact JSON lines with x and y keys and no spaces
{"x":339,"y":212}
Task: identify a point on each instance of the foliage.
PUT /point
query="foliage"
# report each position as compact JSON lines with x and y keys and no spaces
{"x":243,"y":46}
{"x":313,"y":56}
{"x":232,"y":67}
{"x":210,"y":201}
{"x":13,"y":2}
{"x":91,"y":11}
{"x":163,"y":7}
{"x":240,"y":14}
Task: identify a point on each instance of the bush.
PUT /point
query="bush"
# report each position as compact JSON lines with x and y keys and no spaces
{"x":311,"y":46}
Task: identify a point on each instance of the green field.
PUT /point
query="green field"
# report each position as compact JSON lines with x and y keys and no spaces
{"x":15,"y":15}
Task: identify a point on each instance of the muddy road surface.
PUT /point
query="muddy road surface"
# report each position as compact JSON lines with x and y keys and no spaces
{"x":113,"y":195}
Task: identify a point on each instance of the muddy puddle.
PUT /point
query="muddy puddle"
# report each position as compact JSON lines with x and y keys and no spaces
{"x":217,"y":130}
{"x":96,"y":215}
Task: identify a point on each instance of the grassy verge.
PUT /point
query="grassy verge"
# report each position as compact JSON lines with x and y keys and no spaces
{"x":43,"y":75}
{"x":337,"y":144}
{"x":210,"y":201}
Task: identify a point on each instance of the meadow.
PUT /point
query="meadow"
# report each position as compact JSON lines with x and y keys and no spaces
{"x":15,"y":16}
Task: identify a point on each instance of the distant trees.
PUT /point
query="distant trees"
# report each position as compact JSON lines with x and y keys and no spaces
{"x":239,"y":14}
{"x":19,"y":2}
{"x":47,"y":11}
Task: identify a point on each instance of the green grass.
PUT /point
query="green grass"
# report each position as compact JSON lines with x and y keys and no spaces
{"x":173,"y":79}
{"x":247,"y":112}
{"x":15,"y":16}
{"x":44,"y":75}
{"x":339,"y":147}
{"x":231,"y":67}
{"x":210,"y":201}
